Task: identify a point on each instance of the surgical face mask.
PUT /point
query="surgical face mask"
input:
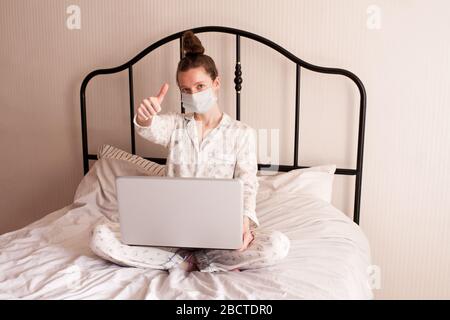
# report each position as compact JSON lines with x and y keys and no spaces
{"x":199,"y":102}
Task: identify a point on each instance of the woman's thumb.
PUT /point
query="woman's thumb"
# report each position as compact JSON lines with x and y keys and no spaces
{"x":162,"y":92}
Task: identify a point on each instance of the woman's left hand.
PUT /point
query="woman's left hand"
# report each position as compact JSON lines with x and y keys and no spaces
{"x":246,"y":235}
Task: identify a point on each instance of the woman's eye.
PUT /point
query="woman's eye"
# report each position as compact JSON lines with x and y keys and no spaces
{"x":200,"y":86}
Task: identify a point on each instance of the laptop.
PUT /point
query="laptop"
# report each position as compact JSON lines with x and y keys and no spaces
{"x":180,"y":212}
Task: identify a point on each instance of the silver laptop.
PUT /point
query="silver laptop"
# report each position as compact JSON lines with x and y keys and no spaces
{"x":180,"y":212}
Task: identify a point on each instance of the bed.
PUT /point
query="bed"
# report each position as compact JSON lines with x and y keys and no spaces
{"x":329,"y":256}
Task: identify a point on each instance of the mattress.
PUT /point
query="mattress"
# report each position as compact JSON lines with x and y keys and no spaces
{"x":51,"y":259}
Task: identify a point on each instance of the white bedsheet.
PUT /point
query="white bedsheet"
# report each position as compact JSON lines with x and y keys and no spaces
{"x":51,"y":259}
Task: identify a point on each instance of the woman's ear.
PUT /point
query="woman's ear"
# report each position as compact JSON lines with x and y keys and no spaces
{"x":216,"y":83}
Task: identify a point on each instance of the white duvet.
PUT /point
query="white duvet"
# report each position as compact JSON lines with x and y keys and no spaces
{"x":51,"y":259}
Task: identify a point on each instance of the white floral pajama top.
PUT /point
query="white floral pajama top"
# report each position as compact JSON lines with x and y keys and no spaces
{"x":227,"y":151}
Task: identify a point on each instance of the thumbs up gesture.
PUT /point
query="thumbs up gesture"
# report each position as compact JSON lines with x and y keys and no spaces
{"x":151,"y":106}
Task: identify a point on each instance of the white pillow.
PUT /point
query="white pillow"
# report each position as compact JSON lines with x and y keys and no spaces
{"x":152,"y":168}
{"x":316,"y":181}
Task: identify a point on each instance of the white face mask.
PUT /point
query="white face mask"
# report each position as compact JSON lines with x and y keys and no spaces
{"x":199,"y":102}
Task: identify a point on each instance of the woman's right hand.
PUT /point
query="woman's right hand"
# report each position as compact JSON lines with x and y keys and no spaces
{"x":150,"y":106}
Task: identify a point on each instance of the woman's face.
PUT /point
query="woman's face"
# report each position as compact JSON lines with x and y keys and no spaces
{"x":196,"y":80}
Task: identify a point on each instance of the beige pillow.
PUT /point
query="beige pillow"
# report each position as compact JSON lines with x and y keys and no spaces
{"x":153,"y":168}
{"x":315,"y":181}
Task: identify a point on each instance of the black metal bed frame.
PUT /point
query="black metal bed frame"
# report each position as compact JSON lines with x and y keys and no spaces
{"x":238,"y":81}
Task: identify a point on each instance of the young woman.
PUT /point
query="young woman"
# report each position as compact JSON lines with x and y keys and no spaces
{"x":205,"y":142}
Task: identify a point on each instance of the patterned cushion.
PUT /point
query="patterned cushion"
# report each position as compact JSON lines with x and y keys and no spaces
{"x":153,"y":168}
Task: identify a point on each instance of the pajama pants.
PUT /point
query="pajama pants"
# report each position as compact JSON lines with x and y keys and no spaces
{"x":266,"y":249}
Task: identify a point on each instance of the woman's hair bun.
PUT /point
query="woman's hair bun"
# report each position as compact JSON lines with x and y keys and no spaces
{"x":191,"y":44}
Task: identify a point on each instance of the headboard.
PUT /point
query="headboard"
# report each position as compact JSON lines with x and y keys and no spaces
{"x":238,"y":81}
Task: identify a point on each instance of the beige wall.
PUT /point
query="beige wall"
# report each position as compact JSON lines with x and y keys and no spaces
{"x":405,"y":66}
